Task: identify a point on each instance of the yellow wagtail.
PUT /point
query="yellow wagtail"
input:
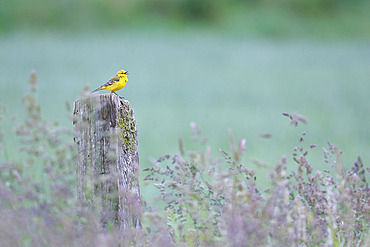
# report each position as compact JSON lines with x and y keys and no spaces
{"x":116,"y":83}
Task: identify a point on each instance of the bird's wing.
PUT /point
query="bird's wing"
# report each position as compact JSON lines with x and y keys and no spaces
{"x":107,"y":84}
{"x":111,"y":81}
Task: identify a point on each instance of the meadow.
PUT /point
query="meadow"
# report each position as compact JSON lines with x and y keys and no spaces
{"x":218,"y":82}
{"x":240,"y":72}
{"x":207,"y":200}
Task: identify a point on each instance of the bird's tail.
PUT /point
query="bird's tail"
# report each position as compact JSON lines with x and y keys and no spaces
{"x":96,"y":90}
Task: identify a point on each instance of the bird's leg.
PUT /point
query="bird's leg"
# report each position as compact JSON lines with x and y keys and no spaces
{"x":118,"y":95}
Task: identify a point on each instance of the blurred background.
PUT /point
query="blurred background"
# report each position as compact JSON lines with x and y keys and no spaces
{"x":236,"y":64}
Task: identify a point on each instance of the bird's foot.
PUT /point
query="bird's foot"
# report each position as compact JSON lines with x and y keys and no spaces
{"x":118,"y":95}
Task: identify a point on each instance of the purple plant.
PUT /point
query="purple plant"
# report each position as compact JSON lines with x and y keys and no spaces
{"x":210,"y":198}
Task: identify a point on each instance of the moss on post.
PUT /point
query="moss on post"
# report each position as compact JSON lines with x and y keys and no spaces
{"x":108,"y":161}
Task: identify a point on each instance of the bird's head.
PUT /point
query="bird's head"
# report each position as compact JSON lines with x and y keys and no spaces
{"x":122,"y":73}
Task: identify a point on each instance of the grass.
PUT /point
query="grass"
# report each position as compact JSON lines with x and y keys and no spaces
{"x":209,"y":200}
{"x":215,"y":81}
{"x":214,"y":202}
{"x":218,"y":82}
{"x":229,"y":77}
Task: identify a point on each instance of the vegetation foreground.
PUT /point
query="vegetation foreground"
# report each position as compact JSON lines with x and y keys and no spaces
{"x":208,"y":200}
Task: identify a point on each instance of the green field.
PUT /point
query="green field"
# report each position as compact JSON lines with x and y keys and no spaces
{"x":218,"y":82}
{"x":228,"y":66}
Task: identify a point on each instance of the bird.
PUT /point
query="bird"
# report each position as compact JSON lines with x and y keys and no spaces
{"x":115,"y":83}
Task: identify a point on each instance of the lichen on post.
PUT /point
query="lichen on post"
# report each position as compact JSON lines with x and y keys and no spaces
{"x":108,"y":161}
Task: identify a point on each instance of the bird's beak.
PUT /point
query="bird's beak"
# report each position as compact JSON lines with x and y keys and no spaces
{"x":126,"y":72}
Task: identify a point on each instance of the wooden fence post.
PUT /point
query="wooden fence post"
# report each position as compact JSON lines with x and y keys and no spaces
{"x":108,"y":161}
